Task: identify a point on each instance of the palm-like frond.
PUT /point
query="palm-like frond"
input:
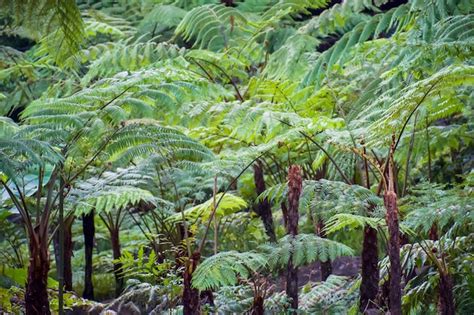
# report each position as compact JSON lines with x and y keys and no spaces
{"x":331,"y":295}
{"x":228,"y":204}
{"x":60,"y":23}
{"x":210,"y":26}
{"x":144,"y":138}
{"x":304,"y":248}
{"x":224,"y":269}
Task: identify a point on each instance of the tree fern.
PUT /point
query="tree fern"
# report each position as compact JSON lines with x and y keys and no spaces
{"x":210,"y":26}
{"x":224,"y":269}
{"x":20,"y":155}
{"x":125,"y":145}
{"x":113,"y":198}
{"x":228,"y":205}
{"x":126,"y":56}
{"x":451,"y":208}
{"x":304,"y":248}
{"x":60,"y":19}
{"x":331,"y":295}
{"x":397,"y":19}
{"x":161,"y":20}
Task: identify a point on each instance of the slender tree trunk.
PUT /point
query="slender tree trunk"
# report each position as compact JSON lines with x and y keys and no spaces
{"x":263,"y":208}
{"x":295,"y":184}
{"x":36,"y":295}
{"x":284,"y":211}
{"x":67,"y":252}
{"x":116,"y":253}
{"x":446,"y":298}
{"x":191,"y":301}
{"x":88,"y":229}
{"x":390,"y":202}
{"x":326,"y":266}
{"x":68,"y":247}
{"x":370,"y":272}
{"x":369,"y":286}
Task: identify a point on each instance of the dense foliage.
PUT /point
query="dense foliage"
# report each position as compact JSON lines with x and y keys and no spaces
{"x":236,"y":156}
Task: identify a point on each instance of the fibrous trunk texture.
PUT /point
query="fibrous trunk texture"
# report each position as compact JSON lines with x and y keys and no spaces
{"x":68,"y":247}
{"x":369,"y":286}
{"x":295,"y":184}
{"x":263,"y":208}
{"x":88,"y":229}
{"x":116,"y":253}
{"x":390,"y":201}
{"x":446,"y":298}
{"x":36,"y":295}
{"x":257,"y":306}
{"x":433,"y":234}
{"x":191,"y":301}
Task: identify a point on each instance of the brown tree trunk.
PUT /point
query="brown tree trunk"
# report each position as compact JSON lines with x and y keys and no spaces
{"x":369,"y":286}
{"x":263,"y":208}
{"x":116,"y":253}
{"x":67,"y":252}
{"x":36,"y":295}
{"x":390,"y":202}
{"x":88,"y":229}
{"x":326,"y":266}
{"x":433,"y":234}
{"x":191,"y":301}
{"x":446,"y":298}
{"x":68,"y":247}
{"x":257,"y":306}
{"x":295,"y":185}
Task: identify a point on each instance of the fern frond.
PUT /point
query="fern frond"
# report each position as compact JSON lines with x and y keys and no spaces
{"x":327,"y":296}
{"x":141,"y":138}
{"x":210,"y":26}
{"x":431,"y":205}
{"x":60,"y":23}
{"x":228,"y":204}
{"x":305,"y":249}
{"x":225,"y":269}
{"x":18,"y":155}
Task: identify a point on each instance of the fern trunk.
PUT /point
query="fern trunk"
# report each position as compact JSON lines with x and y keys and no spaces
{"x":36,"y":295}
{"x":369,"y":286}
{"x":191,"y":303}
{"x":88,"y":229}
{"x":446,"y":304}
{"x":325,"y":266}
{"x":433,"y":233}
{"x":257,"y":306}
{"x":263,"y":208}
{"x":67,"y":252}
{"x":68,"y":246}
{"x":116,"y":253}
{"x":295,"y":183}
{"x":390,"y":201}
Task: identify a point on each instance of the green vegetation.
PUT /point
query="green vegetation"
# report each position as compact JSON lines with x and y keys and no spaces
{"x":236,"y":156}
